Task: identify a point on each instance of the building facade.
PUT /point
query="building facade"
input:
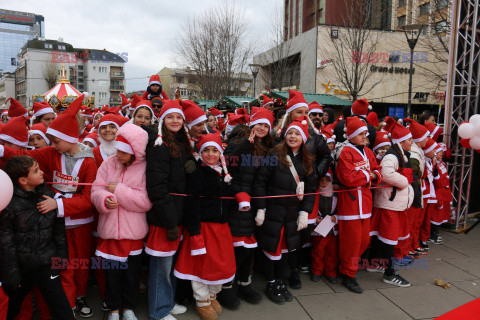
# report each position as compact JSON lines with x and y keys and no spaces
{"x":7,"y":87}
{"x":433,"y":14}
{"x":16,"y":29}
{"x":98,"y":72}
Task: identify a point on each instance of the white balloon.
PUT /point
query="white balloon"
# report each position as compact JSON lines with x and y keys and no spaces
{"x":6,"y":191}
{"x":466,"y":130}
{"x":477,"y":129}
{"x":475,"y":119}
{"x":475,"y":143}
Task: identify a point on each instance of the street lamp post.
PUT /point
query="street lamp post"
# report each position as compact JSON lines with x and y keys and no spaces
{"x":412,"y":32}
{"x":254,"y":68}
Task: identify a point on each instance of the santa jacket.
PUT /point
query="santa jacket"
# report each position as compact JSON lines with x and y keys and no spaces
{"x":442,"y":184}
{"x":128,"y":221}
{"x":75,"y":204}
{"x":354,"y":165}
{"x":429,"y":175}
{"x":394,"y":179}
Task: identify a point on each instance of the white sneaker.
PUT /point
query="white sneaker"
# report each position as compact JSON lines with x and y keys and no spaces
{"x":129,"y":315}
{"x":169,"y":317}
{"x":113,"y":316}
{"x":178,"y":309}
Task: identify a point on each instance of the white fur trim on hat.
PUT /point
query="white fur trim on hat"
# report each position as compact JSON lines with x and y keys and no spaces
{"x":43,"y":111}
{"x":357,"y":132}
{"x":92,"y":141}
{"x":425,"y":136}
{"x":143,"y":105}
{"x":155,"y":82}
{"x":197,"y":121}
{"x":211,"y":144}
{"x":435,"y":130}
{"x":261,"y":120}
{"x":353,"y":113}
{"x":172,"y":110}
{"x":433,"y":146}
{"x":299,"y":130}
{"x":62,"y":135}
{"x":244,"y":206}
{"x":104,"y":123}
{"x":125,"y":147}
{"x":32,"y":132}
{"x":405,"y":137}
{"x":266,"y":104}
{"x":7,"y":138}
{"x":296,"y":106}
{"x":383,"y":144}
{"x":330,"y":140}
{"x":315,"y":110}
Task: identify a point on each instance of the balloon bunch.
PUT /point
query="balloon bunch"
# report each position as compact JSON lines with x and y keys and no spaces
{"x":6,"y":192}
{"x":469,"y":131}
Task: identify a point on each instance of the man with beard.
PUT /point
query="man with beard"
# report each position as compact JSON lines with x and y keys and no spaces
{"x":315,"y":112}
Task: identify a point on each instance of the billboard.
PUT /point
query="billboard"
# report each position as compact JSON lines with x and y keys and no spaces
{"x":16,"y":18}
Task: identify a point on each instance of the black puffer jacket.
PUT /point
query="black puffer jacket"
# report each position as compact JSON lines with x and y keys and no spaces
{"x":239,"y":152}
{"x":339,"y":132}
{"x":164,"y":175}
{"x":29,"y":239}
{"x":283,"y":211}
{"x":209,"y":184}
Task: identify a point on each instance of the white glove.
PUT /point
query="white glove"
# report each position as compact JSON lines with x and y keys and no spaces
{"x":302,"y":220}
{"x":300,"y":190}
{"x":260,"y":217}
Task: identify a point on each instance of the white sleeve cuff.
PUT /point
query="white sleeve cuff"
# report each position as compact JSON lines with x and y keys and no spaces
{"x":367,"y":175}
{"x":2,"y":151}
{"x":198,"y":252}
{"x":61,"y":212}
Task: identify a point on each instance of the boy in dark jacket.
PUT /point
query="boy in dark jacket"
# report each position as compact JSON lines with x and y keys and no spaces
{"x":30,"y":241}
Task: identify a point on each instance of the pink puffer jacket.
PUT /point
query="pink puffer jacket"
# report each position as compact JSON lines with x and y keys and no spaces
{"x":128,"y":221}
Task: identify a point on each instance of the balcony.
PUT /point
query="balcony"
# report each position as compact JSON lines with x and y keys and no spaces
{"x":115,"y":100}
{"x":21,"y":92}
{"x":20,"y":79}
{"x":117,"y":74}
{"x":116,"y":88}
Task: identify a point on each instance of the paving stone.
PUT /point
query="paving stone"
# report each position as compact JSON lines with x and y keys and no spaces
{"x":426,"y":301}
{"x":471,"y":287}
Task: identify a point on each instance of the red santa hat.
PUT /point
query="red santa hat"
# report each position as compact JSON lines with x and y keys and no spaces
{"x":125,"y":102}
{"x":372,"y":118}
{"x":215,"y":140}
{"x":110,"y":119}
{"x":16,"y":132}
{"x":65,"y":126}
{"x":262,"y":115}
{"x":301,"y":124}
{"x":243,"y":200}
{"x":354,"y":126}
{"x":41,"y":108}
{"x":314,"y":107}
{"x":138,"y":102}
{"x":93,"y":139}
{"x":396,"y":131}
{"x":169,"y":106}
{"x":193,"y":113}
{"x":429,"y":146}
{"x":295,"y":101}
{"x":154,"y":79}
{"x":435,"y":131}
{"x":234,"y":119}
{"x":217,"y":113}
{"x":16,"y":109}
{"x":419,"y":132}
{"x":360,"y":107}
{"x":123,"y":145}
{"x":86,"y":111}
{"x":328,"y":136}
{"x":266,"y":101}
{"x":381,"y":140}
{"x":241,"y":111}
{"x":40,"y":129}
{"x":2,"y":113}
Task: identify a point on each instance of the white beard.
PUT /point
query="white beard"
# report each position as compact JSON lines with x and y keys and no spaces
{"x":107,"y":147}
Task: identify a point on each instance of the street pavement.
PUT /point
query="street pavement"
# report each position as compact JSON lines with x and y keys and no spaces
{"x":457,"y":262}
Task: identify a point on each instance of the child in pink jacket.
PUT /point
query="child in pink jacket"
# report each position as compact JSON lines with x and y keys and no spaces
{"x":120,"y":196}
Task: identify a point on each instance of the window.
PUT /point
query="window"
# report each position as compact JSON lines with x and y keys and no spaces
{"x":94,"y":68}
{"x":48,"y":46}
{"x":442,"y":4}
{"x":425,"y":31}
{"x":183,"y":92}
{"x":402,"y":21}
{"x":102,"y":69}
{"x":102,"y":94}
{"x":179,"y":79}
{"x":192,"y":80}
{"x":441,"y":26}
{"x":425,"y":9}
{"x":62,"y":47}
{"x":402,"y":3}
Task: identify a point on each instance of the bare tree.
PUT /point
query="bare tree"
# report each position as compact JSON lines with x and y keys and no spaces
{"x":214,"y":44}
{"x":281,"y":67}
{"x":50,"y":73}
{"x":356,"y":40}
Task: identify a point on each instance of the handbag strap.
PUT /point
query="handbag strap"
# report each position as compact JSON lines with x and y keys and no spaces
{"x":292,"y":170}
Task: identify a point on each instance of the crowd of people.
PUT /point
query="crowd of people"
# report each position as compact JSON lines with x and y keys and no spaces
{"x":157,"y":195}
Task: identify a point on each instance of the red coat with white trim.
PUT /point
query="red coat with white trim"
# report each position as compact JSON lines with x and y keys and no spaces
{"x":442,"y":184}
{"x":352,"y":170}
{"x":75,"y":207}
{"x":429,"y":175}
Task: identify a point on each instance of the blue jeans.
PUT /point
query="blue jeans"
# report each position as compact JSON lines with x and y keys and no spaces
{"x":161,"y":287}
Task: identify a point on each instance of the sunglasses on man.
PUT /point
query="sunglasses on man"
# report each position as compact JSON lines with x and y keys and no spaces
{"x":316,"y":114}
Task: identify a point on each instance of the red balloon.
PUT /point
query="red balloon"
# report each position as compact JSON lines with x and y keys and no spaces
{"x":465,"y":143}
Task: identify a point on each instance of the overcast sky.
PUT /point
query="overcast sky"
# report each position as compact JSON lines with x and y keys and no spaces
{"x":144,"y":29}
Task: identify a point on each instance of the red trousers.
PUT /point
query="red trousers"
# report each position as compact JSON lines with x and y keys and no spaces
{"x":26,"y":312}
{"x":75,"y":277}
{"x":403,"y":246}
{"x":325,"y":255}
{"x":353,"y":240}
{"x":415,"y":232}
{"x":427,"y":222}
{"x":3,"y":304}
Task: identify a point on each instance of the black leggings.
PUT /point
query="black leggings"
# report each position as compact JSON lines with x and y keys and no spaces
{"x":383,"y":251}
{"x":243,"y":259}
{"x":274,"y":268}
